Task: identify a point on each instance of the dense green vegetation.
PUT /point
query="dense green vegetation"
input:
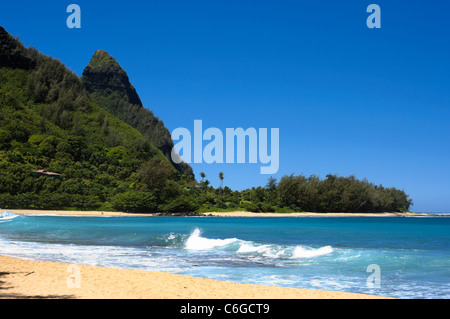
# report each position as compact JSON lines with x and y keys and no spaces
{"x":48,"y":121}
{"x":113,"y":154}
{"x":304,"y":194}
{"x":110,"y":88}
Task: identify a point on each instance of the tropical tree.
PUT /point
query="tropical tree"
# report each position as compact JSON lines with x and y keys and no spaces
{"x":221,"y":182}
{"x":207,"y":182}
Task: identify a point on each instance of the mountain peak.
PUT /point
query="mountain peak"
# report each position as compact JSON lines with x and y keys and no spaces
{"x":101,"y":60}
{"x":104,"y":73}
{"x":109,"y":86}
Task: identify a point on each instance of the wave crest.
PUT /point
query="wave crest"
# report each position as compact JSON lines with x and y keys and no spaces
{"x":301,"y":252}
{"x":196,"y":242}
{"x":7,"y":216}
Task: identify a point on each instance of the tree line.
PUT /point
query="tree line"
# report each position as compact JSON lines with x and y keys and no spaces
{"x":304,"y":194}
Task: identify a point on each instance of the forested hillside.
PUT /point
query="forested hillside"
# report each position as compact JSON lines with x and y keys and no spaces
{"x":49,"y":122}
{"x":110,"y":87}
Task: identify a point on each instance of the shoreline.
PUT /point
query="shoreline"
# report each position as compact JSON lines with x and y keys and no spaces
{"x":36,"y":212}
{"x":25,"y":279}
{"x":31,"y":212}
{"x":248,"y":214}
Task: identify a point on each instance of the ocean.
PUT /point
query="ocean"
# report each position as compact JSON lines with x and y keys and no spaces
{"x":402,"y":257}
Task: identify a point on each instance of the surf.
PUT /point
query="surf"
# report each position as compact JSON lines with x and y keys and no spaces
{"x":7,"y":216}
{"x":196,"y":242}
{"x":319,"y":253}
{"x":301,"y":252}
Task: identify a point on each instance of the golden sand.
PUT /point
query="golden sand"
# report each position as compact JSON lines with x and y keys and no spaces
{"x":50,"y":280}
{"x":73,"y":213}
{"x":248,"y":214}
{"x":216,"y":214}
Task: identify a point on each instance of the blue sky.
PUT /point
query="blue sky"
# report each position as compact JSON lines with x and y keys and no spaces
{"x":347,"y":99}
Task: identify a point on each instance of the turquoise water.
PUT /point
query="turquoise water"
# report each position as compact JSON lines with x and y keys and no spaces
{"x":413,"y":254}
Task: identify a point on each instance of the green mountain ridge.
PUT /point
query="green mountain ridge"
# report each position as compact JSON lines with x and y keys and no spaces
{"x":49,"y":121}
{"x":109,"y":87}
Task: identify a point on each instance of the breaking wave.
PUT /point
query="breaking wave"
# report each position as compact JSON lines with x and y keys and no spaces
{"x":7,"y":216}
{"x":300,"y":252}
{"x":196,"y":242}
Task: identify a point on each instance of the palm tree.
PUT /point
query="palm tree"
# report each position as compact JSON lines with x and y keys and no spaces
{"x":202,"y":175}
{"x":207,"y":184}
{"x":221,"y":182}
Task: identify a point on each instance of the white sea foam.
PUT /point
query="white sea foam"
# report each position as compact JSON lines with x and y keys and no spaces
{"x":196,"y":242}
{"x":301,"y":252}
{"x":7,"y":216}
{"x":270,"y":251}
{"x":199,"y":243}
{"x":95,"y":255}
{"x":249,"y":248}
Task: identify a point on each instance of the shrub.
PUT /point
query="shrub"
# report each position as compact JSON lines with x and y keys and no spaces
{"x":182,"y":204}
{"x":267,"y":208}
{"x":135,"y":202}
{"x":250,"y":207}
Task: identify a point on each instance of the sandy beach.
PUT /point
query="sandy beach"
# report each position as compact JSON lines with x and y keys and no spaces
{"x":215,"y":214}
{"x":248,"y":214}
{"x":26,"y":279}
{"x":73,"y":213}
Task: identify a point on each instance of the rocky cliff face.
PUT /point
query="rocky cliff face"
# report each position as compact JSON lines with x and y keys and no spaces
{"x":104,"y":75}
{"x":109,"y":87}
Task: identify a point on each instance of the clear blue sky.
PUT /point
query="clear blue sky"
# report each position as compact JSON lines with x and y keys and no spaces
{"x":347,"y":99}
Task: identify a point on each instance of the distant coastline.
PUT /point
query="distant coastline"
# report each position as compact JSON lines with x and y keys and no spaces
{"x":209,"y":214}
